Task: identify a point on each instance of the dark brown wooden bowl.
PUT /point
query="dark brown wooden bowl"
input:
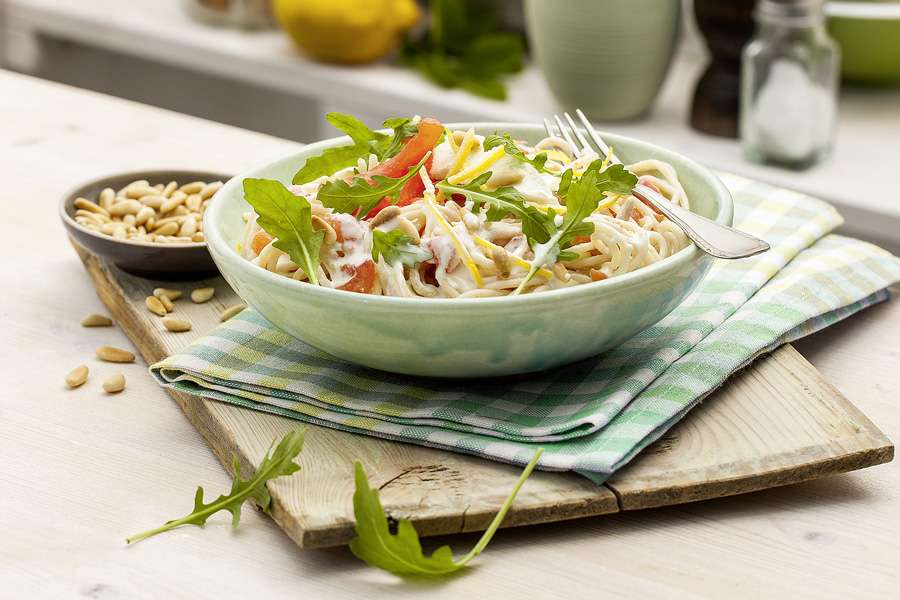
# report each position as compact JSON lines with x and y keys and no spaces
{"x":146,"y":259}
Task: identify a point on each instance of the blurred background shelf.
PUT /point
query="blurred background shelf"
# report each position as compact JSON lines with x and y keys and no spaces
{"x":259,"y":81}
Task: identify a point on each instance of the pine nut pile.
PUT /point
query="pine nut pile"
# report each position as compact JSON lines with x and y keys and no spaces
{"x":149,"y":213}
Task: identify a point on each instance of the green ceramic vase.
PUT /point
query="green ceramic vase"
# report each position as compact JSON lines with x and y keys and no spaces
{"x":607,"y":57}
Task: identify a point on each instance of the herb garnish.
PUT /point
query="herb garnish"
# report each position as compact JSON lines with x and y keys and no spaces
{"x":365,"y":142}
{"x":277,"y":463}
{"x":364,"y":193}
{"x":401,"y":553}
{"x":288,"y":218}
{"x":581,"y":196}
{"x":462,"y":48}
{"x":396,"y":246}
{"x":536,"y":225}
{"x":510,"y":147}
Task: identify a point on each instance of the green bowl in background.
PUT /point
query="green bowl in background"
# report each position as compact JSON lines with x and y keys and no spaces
{"x":869,"y":36}
{"x":472,"y":337}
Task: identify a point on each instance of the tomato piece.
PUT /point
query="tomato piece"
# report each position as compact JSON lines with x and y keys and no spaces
{"x":597,"y":275}
{"x":430,"y":131}
{"x":260,"y":240}
{"x":362,"y":278}
{"x":412,"y":190}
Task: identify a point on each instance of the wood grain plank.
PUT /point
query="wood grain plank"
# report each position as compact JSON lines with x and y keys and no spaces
{"x":441,"y":492}
{"x":778,"y":422}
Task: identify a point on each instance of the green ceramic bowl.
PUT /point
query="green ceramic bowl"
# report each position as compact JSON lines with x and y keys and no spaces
{"x":476,"y":337}
{"x":869,"y":36}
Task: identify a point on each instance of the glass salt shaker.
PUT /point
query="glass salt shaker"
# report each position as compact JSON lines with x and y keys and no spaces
{"x":789,"y":82}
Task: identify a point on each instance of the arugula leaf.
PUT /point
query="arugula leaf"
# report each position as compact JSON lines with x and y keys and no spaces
{"x":536,"y":225}
{"x":364,"y":194}
{"x":403,"y":130}
{"x":288,"y":218}
{"x":396,"y":246}
{"x":401,"y":553}
{"x":356,"y":129}
{"x":365,"y":142}
{"x":330,"y":161}
{"x":277,"y":463}
{"x":580,"y":203}
{"x":510,"y":147}
{"x":616,"y":179}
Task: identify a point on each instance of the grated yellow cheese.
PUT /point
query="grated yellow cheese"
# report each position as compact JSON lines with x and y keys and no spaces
{"x":473,"y":172}
{"x":460,"y":248}
{"x":519,"y":261}
{"x":449,"y":135}
{"x":465,"y":148}
{"x":605,"y":163}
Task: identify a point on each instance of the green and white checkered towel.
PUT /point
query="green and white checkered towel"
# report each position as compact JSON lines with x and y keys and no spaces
{"x":591,"y":417}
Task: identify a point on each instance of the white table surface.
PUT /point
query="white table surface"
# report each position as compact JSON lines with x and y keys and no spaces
{"x":82,"y":470}
{"x":861,"y":177}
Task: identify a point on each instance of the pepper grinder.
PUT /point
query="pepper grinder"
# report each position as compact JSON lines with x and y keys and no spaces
{"x":726,"y":27}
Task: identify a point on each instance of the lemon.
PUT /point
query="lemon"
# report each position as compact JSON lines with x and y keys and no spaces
{"x":346,"y":31}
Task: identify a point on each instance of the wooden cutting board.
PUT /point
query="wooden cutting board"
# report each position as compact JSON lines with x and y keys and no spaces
{"x":777,"y":422}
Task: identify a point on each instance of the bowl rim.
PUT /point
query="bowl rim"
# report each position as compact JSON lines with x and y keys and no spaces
{"x":873,"y":11}
{"x":75,"y":192}
{"x":221,"y":250}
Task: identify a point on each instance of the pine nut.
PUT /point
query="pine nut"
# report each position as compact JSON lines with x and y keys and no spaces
{"x":193,"y":203}
{"x":120,"y":233}
{"x":107,"y":197}
{"x":170,"y":187}
{"x":385,"y":214}
{"x":114,"y":384}
{"x":231,"y":311}
{"x":113,"y":354}
{"x":167,"y":304}
{"x":129,"y":220}
{"x":209,"y":189}
{"x":406,"y":226}
{"x":135,"y":183}
{"x":155,"y":306}
{"x":170,"y":228}
{"x":318,"y":223}
{"x":193,"y":187}
{"x":144,"y":215}
{"x":201,"y":295}
{"x":198,"y":237}
{"x":125,"y":207}
{"x":189,"y":227}
{"x":77,"y":376}
{"x":155,"y":201}
{"x":171,"y":204}
{"x":139,"y":191}
{"x":86,"y":204}
{"x":176,"y":325}
{"x":181,"y":211}
{"x":95,"y":320}
{"x":170,"y":293}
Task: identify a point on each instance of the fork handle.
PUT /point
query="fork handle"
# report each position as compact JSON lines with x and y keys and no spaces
{"x":711,"y":237}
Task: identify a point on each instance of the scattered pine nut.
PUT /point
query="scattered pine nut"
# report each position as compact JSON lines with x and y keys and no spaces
{"x":231,"y":311}
{"x":113,"y":354}
{"x":156,"y":306}
{"x":77,"y":376}
{"x":167,"y":304}
{"x":176,"y":325}
{"x":114,"y":384}
{"x":95,"y":320}
{"x":201,"y":295}
{"x":168,"y":292}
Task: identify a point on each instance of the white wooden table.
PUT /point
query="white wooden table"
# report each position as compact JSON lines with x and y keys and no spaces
{"x":81,"y":470}
{"x":868,"y":137}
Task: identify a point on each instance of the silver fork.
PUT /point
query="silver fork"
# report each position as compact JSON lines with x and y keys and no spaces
{"x":711,"y":237}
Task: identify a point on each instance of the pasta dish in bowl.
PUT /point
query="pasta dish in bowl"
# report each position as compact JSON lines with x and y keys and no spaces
{"x":456,"y":250}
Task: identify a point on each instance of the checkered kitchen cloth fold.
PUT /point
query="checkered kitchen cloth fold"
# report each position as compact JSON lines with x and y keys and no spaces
{"x":591,"y":417}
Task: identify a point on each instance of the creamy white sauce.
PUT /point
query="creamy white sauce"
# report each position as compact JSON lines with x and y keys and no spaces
{"x":356,"y":249}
